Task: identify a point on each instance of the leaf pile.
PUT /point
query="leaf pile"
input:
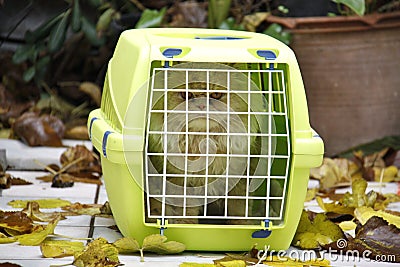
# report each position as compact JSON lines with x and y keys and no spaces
{"x":21,"y":225}
{"x":78,"y":164}
{"x":339,"y":172}
{"x":373,"y":239}
{"x":377,"y":231}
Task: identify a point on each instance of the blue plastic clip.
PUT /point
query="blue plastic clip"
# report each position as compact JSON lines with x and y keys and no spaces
{"x":262,"y":233}
{"x":90,"y":127}
{"x":105,"y":137}
{"x":267,"y":54}
{"x":171,"y":52}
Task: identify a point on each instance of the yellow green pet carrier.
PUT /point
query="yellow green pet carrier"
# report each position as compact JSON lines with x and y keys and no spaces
{"x":204,"y":137}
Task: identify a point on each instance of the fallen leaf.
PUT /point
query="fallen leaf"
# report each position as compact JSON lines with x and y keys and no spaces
{"x":35,"y":130}
{"x":126,"y":245}
{"x":5,"y":180}
{"x":252,"y":21}
{"x":358,"y":197}
{"x":15,"y":220}
{"x":375,"y":238}
{"x":4,"y":239}
{"x":311,"y":193}
{"x":39,"y":234}
{"x":33,"y":212}
{"x":60,"y":248}
{"x":92,"y":90}
{"x":335,"y":207}
{"x":363,"y":214}
{"x":311,"y":234}
{"x":19,"y":181}
{"x":88,"y":209}
{"x":78,"y":132}
{"x":195,"y":264}
{"x":8,"y":264}
{"x":47,"y":203}
{"x":347,"y":225}
{"x":157,"y":243}
{"x":386,"y":175}
{"x":334,"y":173}
{"x":97,"y":253}
{"x":287,"y":261}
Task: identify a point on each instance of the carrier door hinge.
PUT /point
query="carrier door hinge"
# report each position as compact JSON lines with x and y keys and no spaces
{"x":265,"y":232}
{"x":162,"y":224}
{"x":170,"y":53}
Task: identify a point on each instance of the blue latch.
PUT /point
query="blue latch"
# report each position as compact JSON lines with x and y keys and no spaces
{"x":105,"y":137}
{"x":262,"y":233}
{"x":171,"y":52}
{"x":267,"y":54}
{"x":90,"y":127}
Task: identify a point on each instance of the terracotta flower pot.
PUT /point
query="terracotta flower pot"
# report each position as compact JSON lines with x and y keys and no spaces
{"x":351,"y":71}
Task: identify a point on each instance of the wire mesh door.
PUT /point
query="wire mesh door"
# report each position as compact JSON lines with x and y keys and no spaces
{"x":217,"y":144}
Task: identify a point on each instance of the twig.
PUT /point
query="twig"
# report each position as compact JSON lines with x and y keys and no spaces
{"x":139,"y":5}
{"x":66,"y":167}
{"x":45,"y":167}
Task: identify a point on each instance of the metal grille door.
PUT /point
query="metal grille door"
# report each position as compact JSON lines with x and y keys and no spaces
{"x":217,"y":144}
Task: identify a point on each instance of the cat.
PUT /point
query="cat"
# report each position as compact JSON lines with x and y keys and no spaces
{"x":216,"y":121}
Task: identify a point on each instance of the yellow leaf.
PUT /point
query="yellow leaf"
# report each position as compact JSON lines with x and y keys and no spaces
{"x":287,"y":261}
{"x":385,"y":175}
{"x":48,"y":203}
{"x":5,"y":239}
{"x":37,"y":237}
{"x":127,"y":245}
{"x":157,"y":243}
{"x":233,"y":263}
{"x":60,"y":248}
{"x":334,"y":207}
{"x":195,"y":264}
{"x":311,"y":193}
{"x":313,"y":234}
{"x":347,"y":225}
{"x":363,"y":214}
{"x":33,"y":212}
{"x":97,"y":253}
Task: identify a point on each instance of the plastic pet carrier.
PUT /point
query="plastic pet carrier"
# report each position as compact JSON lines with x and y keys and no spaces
{"x":204,"y":137}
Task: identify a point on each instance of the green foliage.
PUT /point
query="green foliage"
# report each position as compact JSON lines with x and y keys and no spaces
{"x":218,"y":11}
{"x":357,"y":6}
{"x":230,"y":24}
{"x":275,"y":30}
{"x":49,"y":39}
{"x":151,"y":18}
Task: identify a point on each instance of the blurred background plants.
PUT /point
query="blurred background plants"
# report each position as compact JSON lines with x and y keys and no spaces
{"x":58,"y":61}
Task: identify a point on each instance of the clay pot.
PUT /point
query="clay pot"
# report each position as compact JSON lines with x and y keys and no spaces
{"x":351,"y":71}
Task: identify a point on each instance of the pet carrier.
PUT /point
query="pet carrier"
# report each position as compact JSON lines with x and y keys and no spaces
{"x":204,"y":137}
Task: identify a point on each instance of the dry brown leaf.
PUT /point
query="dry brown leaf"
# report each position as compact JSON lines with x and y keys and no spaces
{"x":33,"y":212}
{"x":15,"y":220}
{"x":92,"y":90}
{"x":35,"y":130}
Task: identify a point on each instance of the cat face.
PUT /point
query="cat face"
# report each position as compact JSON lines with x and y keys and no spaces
{"x":200,"y":110}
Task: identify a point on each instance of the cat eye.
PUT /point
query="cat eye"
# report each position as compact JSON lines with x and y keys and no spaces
{"x":189,"y":95}
{"x":216,"y":95}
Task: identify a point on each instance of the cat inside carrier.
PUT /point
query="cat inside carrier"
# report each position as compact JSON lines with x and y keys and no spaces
{"x":203,"y":134}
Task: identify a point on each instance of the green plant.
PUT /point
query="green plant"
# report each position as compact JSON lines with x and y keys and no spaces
{"x":357,"y":6}
{"x":47,"y":42}
{"x":362,"y":7}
